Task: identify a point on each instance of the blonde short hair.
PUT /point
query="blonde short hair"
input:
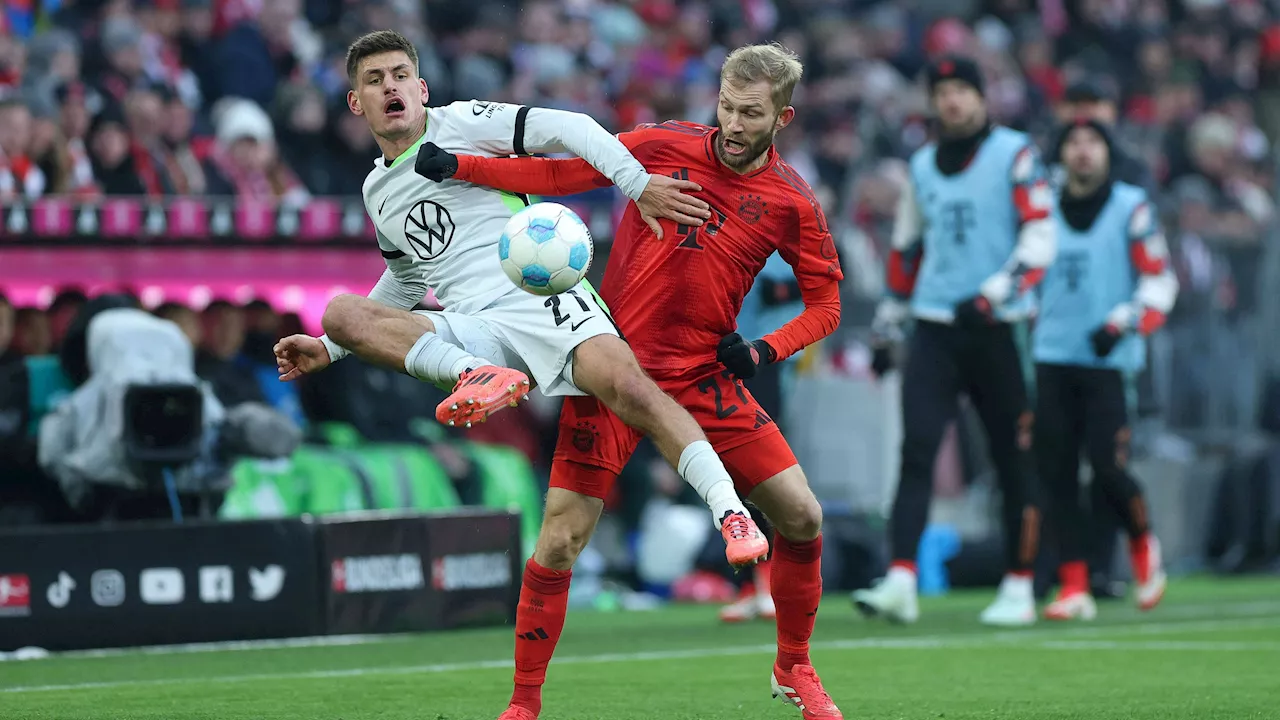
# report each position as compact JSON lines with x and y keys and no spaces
{"x":772,"y":62}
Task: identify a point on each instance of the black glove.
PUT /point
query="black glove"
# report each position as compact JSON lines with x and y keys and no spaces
{"x":435,"y":164}
{"x":975,"y":312}
{"x":743,"y":357}
{"x":882,"y":359}
{"x":1105,"y":339}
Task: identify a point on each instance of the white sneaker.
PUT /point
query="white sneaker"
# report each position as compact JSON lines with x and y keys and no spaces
{"x":893,"y":597}
{"x":757,"y":605}
{"x":1015,"y":604}
{"x":1151,"y":580}
{"x":1075,"y":606}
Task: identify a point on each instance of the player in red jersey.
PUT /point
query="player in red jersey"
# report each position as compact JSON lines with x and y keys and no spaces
{"x":675,"y":295}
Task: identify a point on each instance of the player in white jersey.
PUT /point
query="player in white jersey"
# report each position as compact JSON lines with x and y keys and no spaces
{"x":490,"y":333}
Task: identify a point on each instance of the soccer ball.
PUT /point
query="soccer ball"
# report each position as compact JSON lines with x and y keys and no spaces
{"x":545,"y":249}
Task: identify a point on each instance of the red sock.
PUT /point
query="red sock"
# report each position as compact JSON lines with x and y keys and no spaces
{"x":544,"y":600}
{"x":1074,"y":576}
{"x":795,"y":574}
{"x":1024,"y":574}
{"x":761,"y":578}
{"x":1139,"y":555}
{"x":905,"y":565}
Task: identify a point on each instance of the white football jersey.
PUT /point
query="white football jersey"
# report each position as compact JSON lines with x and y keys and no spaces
{"x":445,"y":235}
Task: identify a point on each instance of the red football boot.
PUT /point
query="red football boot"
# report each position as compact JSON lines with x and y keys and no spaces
{"x":802,"y":688}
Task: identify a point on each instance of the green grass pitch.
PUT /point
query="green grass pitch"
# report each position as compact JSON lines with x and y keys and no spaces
{"x":1212,"y":650}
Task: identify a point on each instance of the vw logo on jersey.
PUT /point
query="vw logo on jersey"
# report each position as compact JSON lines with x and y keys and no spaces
{"x":429,"y":229}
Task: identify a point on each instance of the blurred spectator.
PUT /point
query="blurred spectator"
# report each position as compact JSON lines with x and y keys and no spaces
{"x":352,"y":151}
{"x":246,"y":162}
{"x":145,"y":119}
{"x":1238,"y":212}
{"x":254,"y":58}
{"x":217,"y":358}
{"x":185,"y":318}
{"x":183,"y":155}
{"x":301,"y":115}
{"x":20,"y":176}
{"x":13,"y":59}
{"x":109,"y":150}
{"x":263,"y":327}
{"x":53,"y":56}
{"x":1096,"y":99}
{"x":77,"y":105}
{"x":63,"y":311}
{"x":31,"y":335}
{"x":121,"y":43}
{"x":7,"y":352}
{"x":194,"y":41}
{"x":262,"y":330}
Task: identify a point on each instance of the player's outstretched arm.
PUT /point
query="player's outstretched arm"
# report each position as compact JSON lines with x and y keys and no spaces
{"x":501,"y":130}
{"x":663,"y":197}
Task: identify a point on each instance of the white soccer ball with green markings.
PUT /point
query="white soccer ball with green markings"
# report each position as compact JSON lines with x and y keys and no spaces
{"x":545,"y":249}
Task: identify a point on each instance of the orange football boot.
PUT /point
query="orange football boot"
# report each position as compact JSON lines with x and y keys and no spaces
{"x":744,"y":543}
{"x":482,"y":392}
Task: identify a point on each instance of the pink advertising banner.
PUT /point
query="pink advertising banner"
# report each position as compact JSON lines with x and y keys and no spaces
{"x":298,"y":279}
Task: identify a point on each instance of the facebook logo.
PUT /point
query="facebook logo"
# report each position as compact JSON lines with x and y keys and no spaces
{"x":217,"y":584}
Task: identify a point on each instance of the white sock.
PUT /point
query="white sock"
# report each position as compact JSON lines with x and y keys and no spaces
{"x":701,"y":468}
{"x":433,"y":360}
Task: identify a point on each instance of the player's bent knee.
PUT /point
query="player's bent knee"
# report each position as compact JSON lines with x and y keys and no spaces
{"x":343,"y":317}
{"x":802,"y":521}
{"x":560,"y":542}
{"x":567,"y":526}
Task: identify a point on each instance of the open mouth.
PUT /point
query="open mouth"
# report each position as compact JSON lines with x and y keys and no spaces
{"x":733,"y":147}
{"x":394,"y":107}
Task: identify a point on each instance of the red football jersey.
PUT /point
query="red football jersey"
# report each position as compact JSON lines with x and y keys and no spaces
{"x":675,"y":298}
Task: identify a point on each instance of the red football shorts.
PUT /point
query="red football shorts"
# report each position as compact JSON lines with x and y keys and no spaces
{"x":594,"y":445}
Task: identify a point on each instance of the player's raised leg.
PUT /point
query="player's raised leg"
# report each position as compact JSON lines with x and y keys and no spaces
{"x":411,"y":343}
{"x":796,"y":568}
{"x":605,"y":367}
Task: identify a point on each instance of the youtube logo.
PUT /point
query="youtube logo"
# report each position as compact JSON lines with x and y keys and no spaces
{"x":15,"y":595}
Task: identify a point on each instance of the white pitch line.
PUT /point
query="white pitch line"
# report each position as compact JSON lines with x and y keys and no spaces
{"x":1265,"y":608}
{"x":241,"y":645}
{"x":1162,"y":645}
{"x":950,"y":641}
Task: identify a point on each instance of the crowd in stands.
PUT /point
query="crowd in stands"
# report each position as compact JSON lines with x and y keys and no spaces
{"x":247,"y":97}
